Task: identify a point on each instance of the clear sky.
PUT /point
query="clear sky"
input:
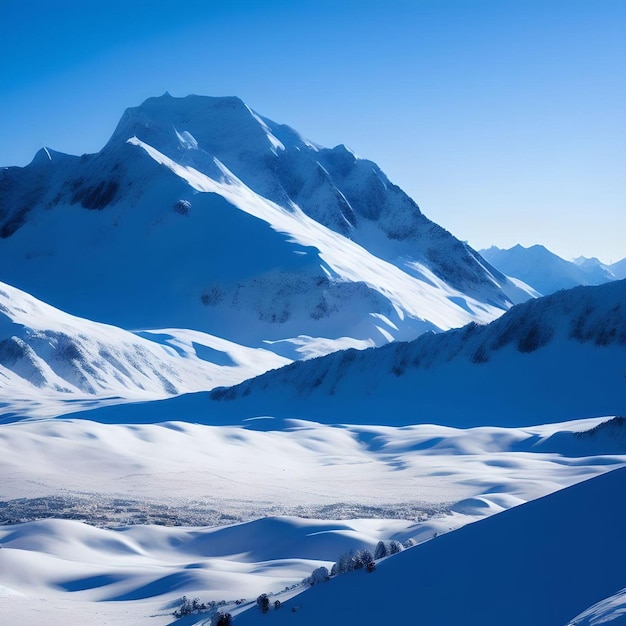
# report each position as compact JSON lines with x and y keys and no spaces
{"x":505,"y":120}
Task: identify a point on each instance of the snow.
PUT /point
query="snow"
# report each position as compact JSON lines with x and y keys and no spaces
{"x":293,"y":467}
{"x":442,"y":478}
{"x":212,"y":245}
{"x":346,"y":260}
{"x":50,"y":360}
{"x":542,"y":361}
{"x":212,"y":212}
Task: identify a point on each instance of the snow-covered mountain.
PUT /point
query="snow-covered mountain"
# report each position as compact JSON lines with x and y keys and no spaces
{"x":201,"y":214}
{"x":48,"y":357}
{"x":556,"y":358}
{"x":546,"y":272}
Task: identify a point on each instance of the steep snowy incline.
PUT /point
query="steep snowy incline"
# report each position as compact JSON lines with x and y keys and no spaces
{"x":349,"y":195}
{"x":540,"y":563}
{"x":347,"y":262}
{"x":199,"y":214}
{"x":50,"y":360}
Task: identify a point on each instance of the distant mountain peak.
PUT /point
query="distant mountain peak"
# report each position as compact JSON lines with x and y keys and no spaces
{"x":546,"y":271}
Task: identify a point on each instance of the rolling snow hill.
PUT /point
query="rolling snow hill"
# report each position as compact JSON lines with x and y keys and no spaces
{"x":213,"y":474}
{"x":200,"y":214}
{"x":546,"y":272}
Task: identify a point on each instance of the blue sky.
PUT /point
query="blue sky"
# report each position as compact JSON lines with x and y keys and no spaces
{"x":504,"y":120}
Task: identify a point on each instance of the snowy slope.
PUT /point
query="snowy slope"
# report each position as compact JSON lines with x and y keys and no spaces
{"x":610,"y":611}
{"x":49,"y":359}
{"x":538,"y":564}
{"x":545,"y":271}
{"x":347,"y":194}
{"x":200,"y":214}
{"x":557,"y":358}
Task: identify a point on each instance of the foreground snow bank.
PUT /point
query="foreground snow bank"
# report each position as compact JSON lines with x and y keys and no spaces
{"x":535,"y":564}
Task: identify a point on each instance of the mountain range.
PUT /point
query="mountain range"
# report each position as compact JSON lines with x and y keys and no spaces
{"x":547,"y":272}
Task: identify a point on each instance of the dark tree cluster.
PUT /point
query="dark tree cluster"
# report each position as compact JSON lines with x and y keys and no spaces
{"x":354,"y":559}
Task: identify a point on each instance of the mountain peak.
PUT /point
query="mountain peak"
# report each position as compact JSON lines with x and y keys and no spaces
{"x":370,"y":246}
{"x":217,"y":124}
{"x":46,"y":155}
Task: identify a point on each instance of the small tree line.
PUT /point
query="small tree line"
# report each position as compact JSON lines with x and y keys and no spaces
{"x":194,"y":606}
{"x":348,"y":561}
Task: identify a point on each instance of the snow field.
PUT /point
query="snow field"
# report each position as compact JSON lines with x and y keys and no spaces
{"x":270,"y":465}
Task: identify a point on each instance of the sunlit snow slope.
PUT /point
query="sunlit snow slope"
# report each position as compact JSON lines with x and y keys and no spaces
{"x":541,"y":564}
{"x":200,"y":214}
{"x":48,"y":357}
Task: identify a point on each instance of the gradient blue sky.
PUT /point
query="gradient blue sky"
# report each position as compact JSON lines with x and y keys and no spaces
{"x":504,"y":120}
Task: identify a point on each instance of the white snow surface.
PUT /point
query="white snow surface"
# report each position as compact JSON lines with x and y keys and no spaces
{"x":293,"y":466}
{"x":535,"y":564}
{"x":65,"y":571}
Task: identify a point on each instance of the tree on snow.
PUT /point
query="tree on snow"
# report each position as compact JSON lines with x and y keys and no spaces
{"x":387,"y":548}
